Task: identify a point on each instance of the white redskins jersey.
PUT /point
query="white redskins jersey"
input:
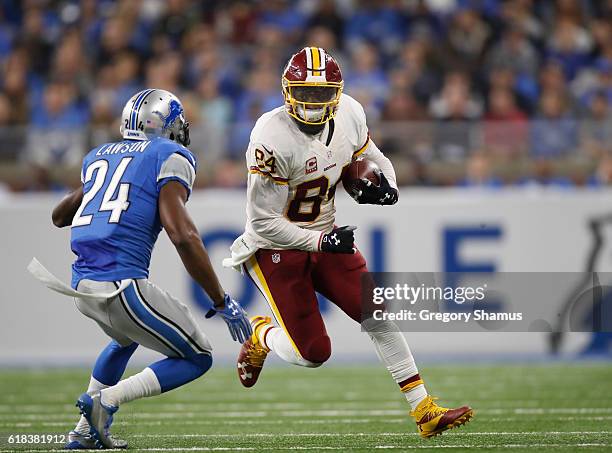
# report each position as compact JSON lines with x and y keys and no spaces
{"x":293,"y":177}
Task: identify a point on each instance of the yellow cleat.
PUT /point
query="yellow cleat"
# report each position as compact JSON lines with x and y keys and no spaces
{"x":432,"y":419}
{"x":252,"y":354}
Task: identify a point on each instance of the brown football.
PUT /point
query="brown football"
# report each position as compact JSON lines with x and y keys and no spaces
{"x":359,"y":169}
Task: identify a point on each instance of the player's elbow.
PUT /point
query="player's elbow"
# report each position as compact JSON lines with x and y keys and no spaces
{"x":264,"y":227}
{"x":60,"y":220}
{"x":258,"y":228}
{"x":56,"y":220}
{"x":182,"y":239}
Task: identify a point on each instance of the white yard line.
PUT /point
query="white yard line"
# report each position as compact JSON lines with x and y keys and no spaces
{"x":345,"y":421}
{"x":308,"y":413}
{"x":319,"y":448}
{"x":367,"y":434}
{"x":363,"y":434}
{"x":527,"y":405}
{"x":348,"y":421}
{"x":468,"y":447}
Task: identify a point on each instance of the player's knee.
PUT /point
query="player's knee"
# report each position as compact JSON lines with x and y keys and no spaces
{"x":203,"y":362}
{"x":318,"y":351}
{"x":117,"y":347}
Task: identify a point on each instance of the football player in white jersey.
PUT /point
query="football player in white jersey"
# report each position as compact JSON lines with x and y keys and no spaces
{"x":291,"y":248}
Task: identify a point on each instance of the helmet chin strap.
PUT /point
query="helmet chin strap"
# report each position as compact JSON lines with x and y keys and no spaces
{"x":310,"y":129}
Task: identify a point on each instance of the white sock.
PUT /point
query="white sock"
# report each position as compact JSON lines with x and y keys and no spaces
{"x":416,"y":395}
{"x":140,"y":385}
{"x":277,"y":340}
{"x":393,"y":350}
{"x":82,"y":427}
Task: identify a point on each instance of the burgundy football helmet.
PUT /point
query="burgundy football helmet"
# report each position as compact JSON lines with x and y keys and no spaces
{"x":312,"y":85}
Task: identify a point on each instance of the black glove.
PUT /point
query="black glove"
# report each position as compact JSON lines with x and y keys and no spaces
{"x":369,"y":193}
{"x":339,"y":240}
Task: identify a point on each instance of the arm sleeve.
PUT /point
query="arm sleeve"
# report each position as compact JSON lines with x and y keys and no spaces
{"x":374,"y":154}
{"x":368,"y":149}
{"x":176,"y":168}
{"x":267,"y":194}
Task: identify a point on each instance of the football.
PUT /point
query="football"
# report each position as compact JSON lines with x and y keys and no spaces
{"x":357,"y":170}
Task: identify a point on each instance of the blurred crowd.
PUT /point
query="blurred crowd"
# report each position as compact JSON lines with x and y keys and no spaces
{"x":457,"y":92}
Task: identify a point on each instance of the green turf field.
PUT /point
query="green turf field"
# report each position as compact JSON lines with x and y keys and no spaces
{"x":565,"y":407}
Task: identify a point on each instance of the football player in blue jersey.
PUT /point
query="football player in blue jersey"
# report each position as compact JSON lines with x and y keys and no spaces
{"x":131,"y":190}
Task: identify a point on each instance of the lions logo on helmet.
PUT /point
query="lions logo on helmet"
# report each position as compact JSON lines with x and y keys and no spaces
{"x":176,"y":110}
{"x":154,"y":113}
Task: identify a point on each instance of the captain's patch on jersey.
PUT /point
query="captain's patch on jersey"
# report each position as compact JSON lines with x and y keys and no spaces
{"x":311,"y":165}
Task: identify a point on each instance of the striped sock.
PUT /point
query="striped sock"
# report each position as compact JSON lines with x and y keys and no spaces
{"x":414,"y":390}
{"x":261,"y":331}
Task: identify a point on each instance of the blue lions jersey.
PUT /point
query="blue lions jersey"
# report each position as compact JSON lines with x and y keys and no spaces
{"x":117,"y":224}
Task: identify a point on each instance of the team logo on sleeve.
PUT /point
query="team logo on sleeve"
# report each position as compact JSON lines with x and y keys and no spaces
{"x":311,"y":165}
{"x":276,"y":258}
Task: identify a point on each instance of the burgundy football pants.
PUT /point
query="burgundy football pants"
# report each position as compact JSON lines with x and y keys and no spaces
{"x":288,"y":279}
